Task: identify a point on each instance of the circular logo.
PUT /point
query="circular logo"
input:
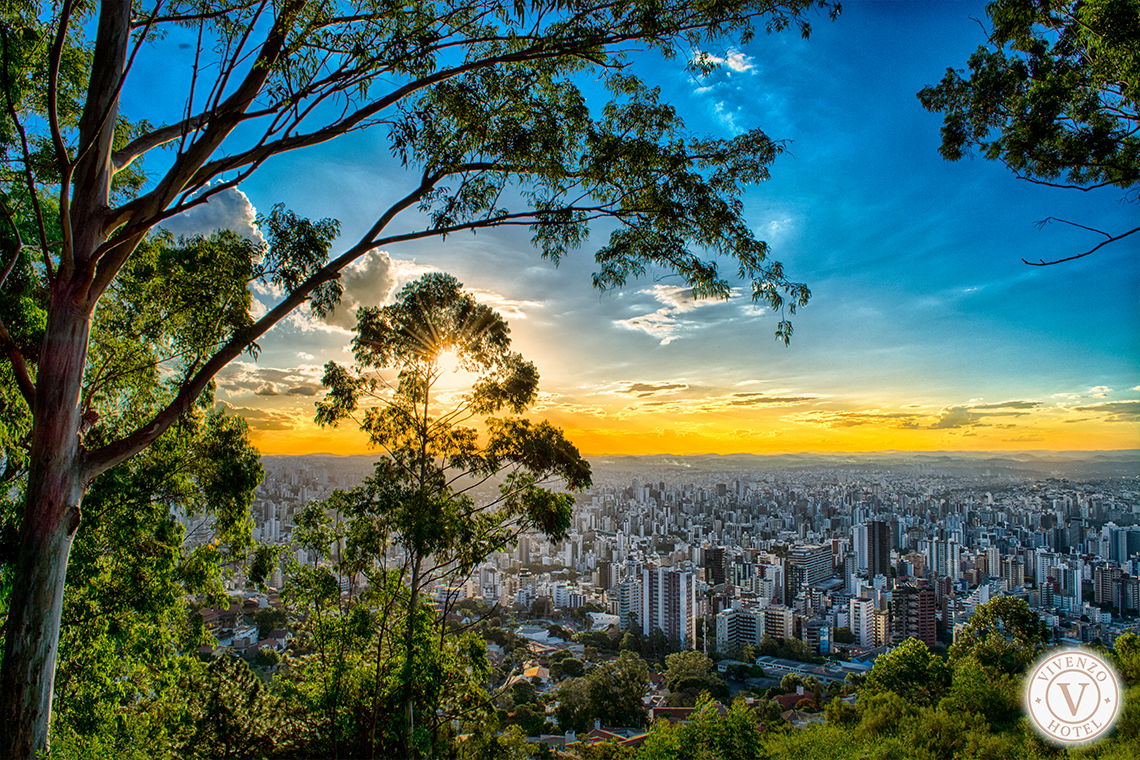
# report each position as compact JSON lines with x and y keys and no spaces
{"x":1072,"y":696}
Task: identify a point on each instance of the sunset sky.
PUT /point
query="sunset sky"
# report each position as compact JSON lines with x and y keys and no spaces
{"x":925,"y":330}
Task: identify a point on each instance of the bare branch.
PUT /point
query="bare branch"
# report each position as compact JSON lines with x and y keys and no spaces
{"x":151,"y":140}
{"x":26,"y":156}
{"x":63,"y":161}
{"x":1094,"y":249}
{"x":1049,"y":219}
{"x":1082,"y":188}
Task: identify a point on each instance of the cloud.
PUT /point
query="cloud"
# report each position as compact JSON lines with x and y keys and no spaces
{"x":726,"y":115}
{"x":971,"y":414}
{"x":1115,"y":411}
{"x":664,"y":324}
{"x":649,"y":389}
{"x":262,"y":420}
{"x":230,"y":209}
{"x":897,"y":420}
{"x":245,"y":377}
{"x":956,"y":417}
{"x":761,"y":399}
{"x":510,"y":308}
{"x":368,"y":281}
{"x":1009,"y":405}
{"x":734,"y":59}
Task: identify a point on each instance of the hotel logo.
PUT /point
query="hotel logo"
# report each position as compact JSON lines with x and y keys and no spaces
{"x":1072,"y":696}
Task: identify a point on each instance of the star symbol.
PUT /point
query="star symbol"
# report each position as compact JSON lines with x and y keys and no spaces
{"x":1107,"y":700}
{"x":1038,"y":700}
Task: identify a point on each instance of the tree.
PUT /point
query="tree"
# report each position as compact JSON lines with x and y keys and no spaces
{"x":843,"y":635}
{"x":1126,"y":654}
{"x":125,"y":628}
{"x":978,"y":689}
{"x":688,"y":675}
{"x":482,"y":106}
{"x":233,"y":715}
{"x":1053,"y":96}
{"x":910,"y":670}
{"x":1004,"y":634}
{"x":418,"y":501}
{"x":711,"y":732}
{"x":610,"y":692}
{"x":568,"y":667}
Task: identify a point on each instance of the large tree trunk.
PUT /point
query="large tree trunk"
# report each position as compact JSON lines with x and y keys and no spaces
{"x":51,"y":517}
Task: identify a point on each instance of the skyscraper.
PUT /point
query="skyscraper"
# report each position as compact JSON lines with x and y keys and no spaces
{"x":862,"y":625}
{"x":668,"y":602}
{"x":912,"y":610}
{"x":878,"y":548}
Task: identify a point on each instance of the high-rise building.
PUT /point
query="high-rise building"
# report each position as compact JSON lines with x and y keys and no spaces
{"x":605,"y":575}
{"x":944,"y":557}
{"x":669,"y":602}
{"x":714,"y":564}
{"x":1103,"y":578}
{"x":736,"y":628}
{"x":878,"y":548}
{"x":816,"y":559}
{"x":629,"y":603}
{"x":860,"y":614}
{"x":779,"y":622}
{"x":912,"y":613}
{"x":881,"y":621}
{"x":817,"y":635}
{"x":1013,"y":572}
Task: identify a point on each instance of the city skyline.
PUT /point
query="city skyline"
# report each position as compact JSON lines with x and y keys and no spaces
{"x":925,"y":331}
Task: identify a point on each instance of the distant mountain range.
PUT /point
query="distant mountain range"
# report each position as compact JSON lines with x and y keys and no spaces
{"x":1081,"y":465}
{"x":1059,"y":464}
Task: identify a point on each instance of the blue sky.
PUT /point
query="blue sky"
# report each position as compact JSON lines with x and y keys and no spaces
{"x":925,"y":330}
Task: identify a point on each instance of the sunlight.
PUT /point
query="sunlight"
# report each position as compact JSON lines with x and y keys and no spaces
{"x":448,"y":362}
{"x":452,"y":375}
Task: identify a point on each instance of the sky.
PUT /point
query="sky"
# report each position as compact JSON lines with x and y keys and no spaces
{"x":925,"y":330}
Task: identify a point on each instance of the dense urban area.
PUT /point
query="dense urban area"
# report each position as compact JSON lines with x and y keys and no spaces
{"x":791,"y":580}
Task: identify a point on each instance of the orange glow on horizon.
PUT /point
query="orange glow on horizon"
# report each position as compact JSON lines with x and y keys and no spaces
{"x":597,"y":435}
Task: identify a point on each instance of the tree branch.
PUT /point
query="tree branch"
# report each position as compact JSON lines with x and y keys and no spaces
{"x":19,"y":366}
{"x":1094,"y":249}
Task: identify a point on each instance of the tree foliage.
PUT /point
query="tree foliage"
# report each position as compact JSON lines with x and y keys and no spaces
{"x":610,"y":692}
{"x":1053,"y":95}
{"x":1004,"y":635}
{"x":420,"y":522}
{"x":910,"y":670}
{"x":125,"y":624}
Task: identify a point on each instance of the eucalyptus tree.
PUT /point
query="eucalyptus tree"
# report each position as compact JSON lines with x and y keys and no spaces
{"x":125,"y":628}
{"x":482,"y":104}
{"x":1054,"y":95}
{"x":426,"y":506}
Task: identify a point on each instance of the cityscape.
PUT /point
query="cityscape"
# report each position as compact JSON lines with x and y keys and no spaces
{"x":569,"y":380}
{"x":839,"y":559}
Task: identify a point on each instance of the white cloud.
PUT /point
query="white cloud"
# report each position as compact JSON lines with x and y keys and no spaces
{"x":230,"y":209}
{"x":733,"y":59}
{"x":663,"y":323}
{"x":368,"y":281}
{"x":511,"y":308}
{"x":727,"y":117}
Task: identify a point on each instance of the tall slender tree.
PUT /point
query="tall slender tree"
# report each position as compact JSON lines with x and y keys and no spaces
{"x":480,"y":102}
{"x":423,"y":500}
